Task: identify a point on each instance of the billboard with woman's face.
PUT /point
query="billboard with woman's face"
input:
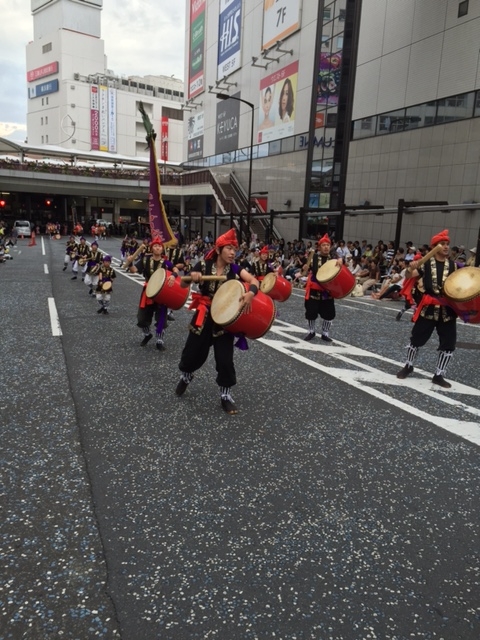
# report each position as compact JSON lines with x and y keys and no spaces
{"x":277,"y":104}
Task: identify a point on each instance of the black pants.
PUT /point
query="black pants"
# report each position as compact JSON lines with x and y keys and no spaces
{"x":146,"y":314}
{"x":196,"y":350}
{"x":423,"y":329}
{"x":323,"y":308}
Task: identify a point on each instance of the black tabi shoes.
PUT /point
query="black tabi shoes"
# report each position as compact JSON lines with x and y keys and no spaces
{"x":181,"y":387}
{"x":405,"y":372}
{"x":326,"y":339}
{"x":146,"y":340}
{"x":229,"y":406}
{"x":309,"y":336}
{"x":440,"y":380}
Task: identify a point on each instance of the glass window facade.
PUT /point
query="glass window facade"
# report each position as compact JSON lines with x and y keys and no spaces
{"x":450,"y":109}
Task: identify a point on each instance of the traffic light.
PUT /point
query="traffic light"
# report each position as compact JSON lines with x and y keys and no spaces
{"x":48,"y":202}
{"x":2,"y":204}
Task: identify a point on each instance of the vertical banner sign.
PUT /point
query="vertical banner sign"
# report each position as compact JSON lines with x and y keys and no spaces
{"x":94,"y":119}
{"x":164,"y":139}
{"x":280,"y":19}
{"x":103,"y":118}
{"x":229,"y":32}
{"x":195,"y":128}
{"x":197,"y":48}
{"x":112,"y":120}
{"x":228,"y":118}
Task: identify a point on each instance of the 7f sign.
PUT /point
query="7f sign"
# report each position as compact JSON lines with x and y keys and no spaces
{"x":280,"y":19}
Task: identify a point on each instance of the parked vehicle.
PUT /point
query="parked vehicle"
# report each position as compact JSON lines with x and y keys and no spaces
{"x":23,"y":228}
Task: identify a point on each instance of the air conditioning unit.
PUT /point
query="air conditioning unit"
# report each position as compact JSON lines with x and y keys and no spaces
{"x":76,"y":76}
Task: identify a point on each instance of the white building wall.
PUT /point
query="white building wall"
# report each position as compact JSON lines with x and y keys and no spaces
{"x":422,"y":52}
{"x":414,"y":50}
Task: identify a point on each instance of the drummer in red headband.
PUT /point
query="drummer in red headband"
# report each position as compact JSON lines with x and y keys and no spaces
{"x":148,"y":308}
{"x":433,"y":311}
{"x":319,"y":302}
{"x":203,"y":331}
{"x":262,"y":266}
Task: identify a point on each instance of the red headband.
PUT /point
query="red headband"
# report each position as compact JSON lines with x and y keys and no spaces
{"x":228,"y":238}
{"x":325,"y":240}
{"x":440,"y":237}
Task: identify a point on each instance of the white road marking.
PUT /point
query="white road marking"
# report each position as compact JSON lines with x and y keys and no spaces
{"x":365,"y":374}
{"x":468,"y":430}
{"x":45,"y":269}
{"x":43,"y":246}
{"x":54,"y":319}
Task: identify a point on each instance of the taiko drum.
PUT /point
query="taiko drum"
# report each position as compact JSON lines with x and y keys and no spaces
{"x":227,"y":311}
{"x":174,"y":297}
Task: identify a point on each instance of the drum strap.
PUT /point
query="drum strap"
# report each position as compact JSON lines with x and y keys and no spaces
{"x":202,"y":303}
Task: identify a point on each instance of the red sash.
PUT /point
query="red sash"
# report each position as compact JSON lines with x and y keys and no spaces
{"x":202,"y":303}
{"x":314,"y":286}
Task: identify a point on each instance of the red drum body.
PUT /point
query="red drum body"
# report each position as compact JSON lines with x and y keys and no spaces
{"x":173,"y":297}
{"x":338,"y":281}
{"x":277,"y":287}
{"x":226,"y":310}
{"x":462,"y":290}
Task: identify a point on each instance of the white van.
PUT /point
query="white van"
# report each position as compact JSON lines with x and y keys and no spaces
{"x":23,"y":228}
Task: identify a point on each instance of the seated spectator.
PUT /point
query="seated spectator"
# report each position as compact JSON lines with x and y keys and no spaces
{"x":391,"y":285}
{"x":410,"y":254}
{"x":373,"y":276}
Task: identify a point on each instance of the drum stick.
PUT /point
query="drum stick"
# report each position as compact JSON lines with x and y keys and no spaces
{"x":205,"y":278}
{"x":427,"y":256}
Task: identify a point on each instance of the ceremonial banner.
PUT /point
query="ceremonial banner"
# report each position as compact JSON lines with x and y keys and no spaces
{"x":157,"y":216}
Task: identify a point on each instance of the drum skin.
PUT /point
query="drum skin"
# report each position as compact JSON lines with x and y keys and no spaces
{"x":277,"y":287}
{"x":106,"y":286}
{"x":173,"y":297}
{"x":462,"y":290}
{"x":338,"y":281}
{"x":227,"y":313}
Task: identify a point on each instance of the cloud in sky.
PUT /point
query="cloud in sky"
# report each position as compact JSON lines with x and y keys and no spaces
{"x":142,"y":37}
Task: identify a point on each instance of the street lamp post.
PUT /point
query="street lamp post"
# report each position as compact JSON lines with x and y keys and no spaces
{"x":225,"y":96}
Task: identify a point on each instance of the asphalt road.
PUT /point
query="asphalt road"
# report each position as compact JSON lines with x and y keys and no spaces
{"x":341,"y":503}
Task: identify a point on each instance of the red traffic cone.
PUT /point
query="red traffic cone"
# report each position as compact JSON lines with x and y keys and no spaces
{"x":32,"y":242}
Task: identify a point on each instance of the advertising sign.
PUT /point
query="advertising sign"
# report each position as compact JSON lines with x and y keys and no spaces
{"x":195,"y":135}
{"x":277,"y":104}
{"x":103,"y":118}
{"x":43,"y":89}
{"x":112,"y":120}
{"x":164,"y":139}
{"x":94,"y":119}
{"x":42,"y":72}
{"x":329,"y":78}
{"x":229,"y":32}
{"x":227,"y":125}
{"x":280,"y":19}
{"x":197,"y":48}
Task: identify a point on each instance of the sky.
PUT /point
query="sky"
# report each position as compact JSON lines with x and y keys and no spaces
{"x":142,"y":37}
